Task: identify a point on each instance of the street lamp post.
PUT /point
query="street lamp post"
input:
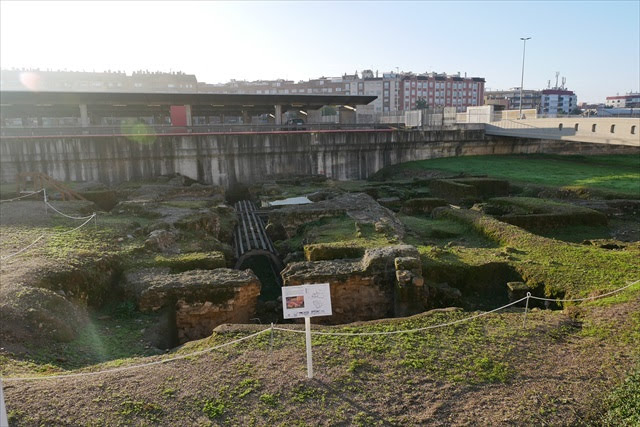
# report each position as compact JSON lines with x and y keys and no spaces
{"x":524,"y":45}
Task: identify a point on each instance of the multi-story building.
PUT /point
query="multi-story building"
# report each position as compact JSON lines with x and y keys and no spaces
{"x":510,"y":99}
{"x":557,"y":101}
{"x":394,"y":91}
{"x":440,"y":90}
{"x":109,"y":81}
{"x":630,"y":100}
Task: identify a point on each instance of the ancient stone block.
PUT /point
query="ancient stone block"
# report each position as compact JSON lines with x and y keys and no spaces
{"x":422,"y":205}
{"x":325,"y":251}
{"x":358,"y":206}
{"x":160,"y":240}
{"x":368,"y":288}
{"x":202,"y":299}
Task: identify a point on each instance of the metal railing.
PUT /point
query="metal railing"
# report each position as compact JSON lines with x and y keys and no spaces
{"x":145,"y":129}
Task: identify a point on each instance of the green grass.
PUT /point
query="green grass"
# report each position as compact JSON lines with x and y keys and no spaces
{"x":336,"y":230}
{"x":619,"y":173}
{"x":623,"y":404}
{"x":424,"y":230}
{"x":576,"y":233}
{"x":562,"y":268}
{"x":112,"y":333}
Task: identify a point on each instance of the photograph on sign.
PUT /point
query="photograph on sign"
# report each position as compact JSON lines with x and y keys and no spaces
{"x":306,"y":300}
{"x":295,"y":302}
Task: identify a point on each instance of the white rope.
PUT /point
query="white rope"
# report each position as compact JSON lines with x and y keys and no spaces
{"x":441,"y":325}
{"x":587,"y":298}
{"x":143,"y":365}
{"x":89,"y":218}
{"x":23,"y":249}
{"x":466,"y":319}
{"x":68,"y":216}
{"x":22,"y":197}
{"x":45,"y":235}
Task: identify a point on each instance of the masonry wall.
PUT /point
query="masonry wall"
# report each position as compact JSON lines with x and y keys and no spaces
{"x":228,"y":158}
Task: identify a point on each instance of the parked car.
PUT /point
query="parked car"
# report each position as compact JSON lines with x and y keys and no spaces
{"x":294,"y":124}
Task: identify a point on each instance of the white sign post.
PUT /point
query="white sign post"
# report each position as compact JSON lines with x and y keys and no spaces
{"x":307,"y":301}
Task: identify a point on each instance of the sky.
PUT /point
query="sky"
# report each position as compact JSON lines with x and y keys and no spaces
{"x":595,"y":45}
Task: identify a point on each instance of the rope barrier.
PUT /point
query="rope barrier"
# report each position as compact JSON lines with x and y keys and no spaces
{"x":22,"y":197}
{"x":441,"y":325}
{"x":142,"y":365}
{"x":272,"y":328}
{"x":587,"y":298}
{"x":68,"y":216}
{"x":23,"y":249}
{"x":455,"y":322}
{"x":45,"y":235}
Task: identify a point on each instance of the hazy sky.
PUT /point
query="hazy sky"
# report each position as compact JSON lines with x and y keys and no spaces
{"x":595,"y":45}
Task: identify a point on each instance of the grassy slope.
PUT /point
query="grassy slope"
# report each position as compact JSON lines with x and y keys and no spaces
{"x":477,"y":372}
{"x":563,"y":268}
{"x":620,"y":173}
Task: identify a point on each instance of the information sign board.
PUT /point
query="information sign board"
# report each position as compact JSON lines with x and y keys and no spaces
{"x":306,"y":301}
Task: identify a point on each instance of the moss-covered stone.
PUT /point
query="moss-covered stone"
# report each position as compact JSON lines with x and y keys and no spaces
{"x":468,"y":189}
{"x":192,"y":261}
{"x":533,"y":213}
{"x":329,"y":251}
{"x":422,"y":205}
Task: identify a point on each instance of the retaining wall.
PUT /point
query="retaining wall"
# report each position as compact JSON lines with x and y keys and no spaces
{"x":228,"y":158}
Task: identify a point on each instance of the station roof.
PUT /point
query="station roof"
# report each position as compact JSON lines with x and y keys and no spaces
{"x":236,"y":101}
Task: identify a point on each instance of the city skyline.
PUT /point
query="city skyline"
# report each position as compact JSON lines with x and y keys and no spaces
{"x":299,"y":41}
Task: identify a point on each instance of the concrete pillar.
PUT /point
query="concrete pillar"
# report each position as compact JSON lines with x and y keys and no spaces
{"x":84,"y":117}
{"x":278,"y":114}
{"x":187,"y":109}
{"x":246,"y":119}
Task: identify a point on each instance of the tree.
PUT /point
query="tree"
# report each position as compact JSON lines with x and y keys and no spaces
{"x":421,"y":104}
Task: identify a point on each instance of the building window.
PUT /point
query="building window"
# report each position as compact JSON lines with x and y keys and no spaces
{"x":633,"y":130}
{"x":576,"y":126}
{"x":613,"y":128}
{"x":593,"y":127}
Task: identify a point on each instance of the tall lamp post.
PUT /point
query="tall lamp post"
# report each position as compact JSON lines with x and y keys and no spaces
{"x":524,"y":46}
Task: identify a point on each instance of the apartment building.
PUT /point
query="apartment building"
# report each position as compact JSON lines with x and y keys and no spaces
{"x":510,"y":99}
{"x":557,"y":101}
{"x":440,"y":90}
{"x":630,"y":100}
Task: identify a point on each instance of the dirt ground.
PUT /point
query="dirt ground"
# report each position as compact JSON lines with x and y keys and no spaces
{"x":559,"y":376}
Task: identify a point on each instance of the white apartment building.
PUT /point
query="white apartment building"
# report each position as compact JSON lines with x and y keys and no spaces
{"x":557,"y":101}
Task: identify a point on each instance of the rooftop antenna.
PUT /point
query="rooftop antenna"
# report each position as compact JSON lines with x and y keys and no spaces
{"x":557,"y":74}
{"x":548,"y":84}
{"x":564,"y":80}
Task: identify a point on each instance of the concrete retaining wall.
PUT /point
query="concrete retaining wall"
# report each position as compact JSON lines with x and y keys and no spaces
{"x":228,"y":158}
{"x":614,"y":131}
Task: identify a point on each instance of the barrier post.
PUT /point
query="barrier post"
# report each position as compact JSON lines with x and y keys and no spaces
{"x":307,"y":329}
{"x":46,"y":211}
{"x":526,"y":307}
{"x":4,"y":420}
{"x":271,"y":339}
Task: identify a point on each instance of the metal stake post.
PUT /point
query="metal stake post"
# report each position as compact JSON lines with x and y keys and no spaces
{"x":307,"y":329}
{"x":526,"y":307}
